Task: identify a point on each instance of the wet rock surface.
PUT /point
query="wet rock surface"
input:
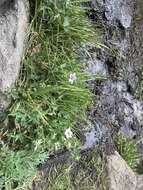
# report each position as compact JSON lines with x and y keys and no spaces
{"x":119,"y":11}
{"x":117,"y":107}
{"x":13,"y":24}
{"x":121,"y":34}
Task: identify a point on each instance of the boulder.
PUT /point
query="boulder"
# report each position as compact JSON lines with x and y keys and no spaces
{"x":121,"y":176}
{"x":13,"y":25}
{"x":140,"y":183}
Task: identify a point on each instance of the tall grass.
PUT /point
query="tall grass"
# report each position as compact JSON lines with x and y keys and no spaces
{"x":44,"y":101}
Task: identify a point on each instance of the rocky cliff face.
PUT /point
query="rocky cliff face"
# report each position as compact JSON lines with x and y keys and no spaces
{"x":118,"y":109}
{"x":13,"y":25}
{"x":118,"y":106}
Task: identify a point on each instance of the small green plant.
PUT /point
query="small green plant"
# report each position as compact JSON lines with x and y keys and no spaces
{"x":14,"y":166}
{"x":50,"y":95}
{"x":128,"y":150}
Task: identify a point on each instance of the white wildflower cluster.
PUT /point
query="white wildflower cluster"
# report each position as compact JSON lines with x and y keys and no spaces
{"x":72,"y":78}
{"x":68,"y":133}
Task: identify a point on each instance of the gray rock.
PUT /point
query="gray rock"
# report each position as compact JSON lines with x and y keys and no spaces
{"x":117,"y":105}
{"x":139,"y":183}
{"x":13,"y":25}
{"x":94,"y":136}
{"x":96,"y":67}
{"x":97,"y":3}
{"x":121,"y":177}
{"x":120,"y":17}
{"x":119,"y":108}
{"x":118,"y":10}
{"x":3,"y":1}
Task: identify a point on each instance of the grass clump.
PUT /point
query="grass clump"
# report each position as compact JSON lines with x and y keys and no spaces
{"x":87,"y":173}
{"x":90,"y":172}
{"x":50,"y":95}
{"x":128,"y":150}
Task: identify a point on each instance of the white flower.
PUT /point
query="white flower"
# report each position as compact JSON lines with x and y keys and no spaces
{"x":68,"y":133}
{"x":72,"y":78}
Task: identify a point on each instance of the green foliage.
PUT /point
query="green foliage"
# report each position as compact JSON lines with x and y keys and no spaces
{"x":14,"y":166}
{"x":128,"y":150}
{"x":45,"y":102}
